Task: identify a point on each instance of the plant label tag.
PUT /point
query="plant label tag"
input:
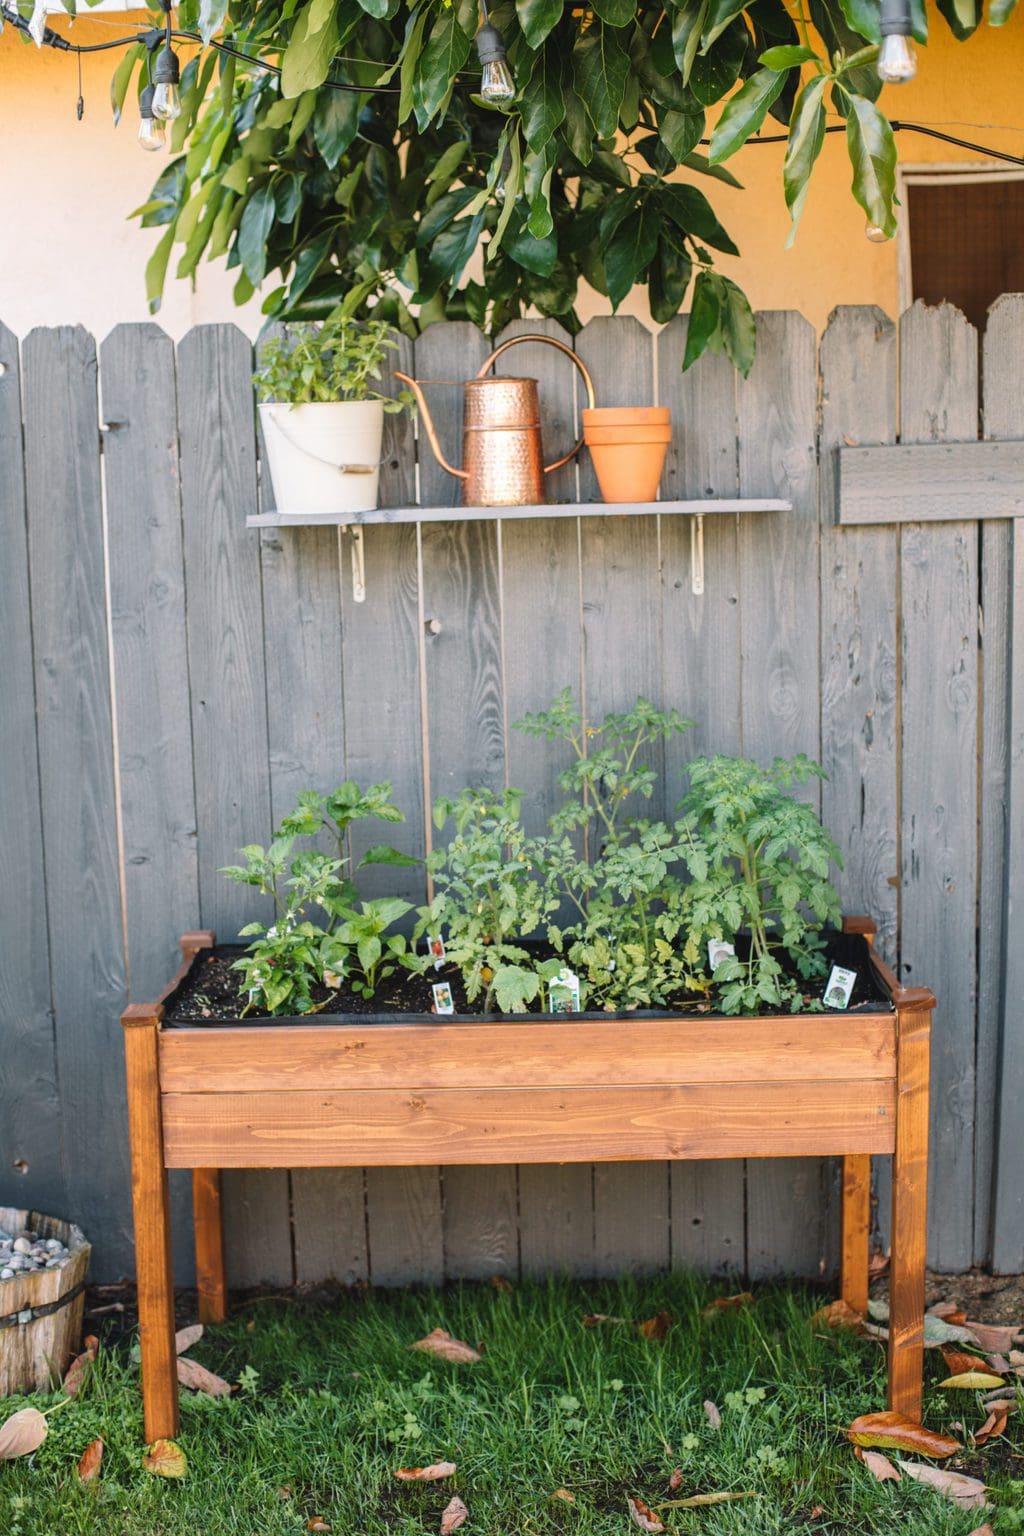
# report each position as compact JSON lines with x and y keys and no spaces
{"x":435,"y":947}
{"x":840,"y":985}
{"x":332,"y":978}
{"x":443,"y":1000}
{"x":564,"y":992}
{"x":718,"y":950}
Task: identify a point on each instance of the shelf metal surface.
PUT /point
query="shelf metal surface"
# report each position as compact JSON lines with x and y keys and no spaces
{"x":460,"y":514}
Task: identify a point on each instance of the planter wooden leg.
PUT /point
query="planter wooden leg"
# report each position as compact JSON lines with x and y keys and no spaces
{"x":909,"y":1204}
{"x":151,"y":1211}
{"x":856,"y":1222}
{"x":206,"y":1206}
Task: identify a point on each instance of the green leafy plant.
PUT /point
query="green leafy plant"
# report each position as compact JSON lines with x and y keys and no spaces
{"x":759,"y":861}
{"x":338,"y":360}
{"x":372,"y":954}
{"x":376,"y":196}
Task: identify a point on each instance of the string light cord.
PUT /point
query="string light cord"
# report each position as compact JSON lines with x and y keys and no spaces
{"x":152,"y":38}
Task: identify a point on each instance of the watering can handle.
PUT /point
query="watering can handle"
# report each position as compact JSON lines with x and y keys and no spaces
{"x":550,"y":342}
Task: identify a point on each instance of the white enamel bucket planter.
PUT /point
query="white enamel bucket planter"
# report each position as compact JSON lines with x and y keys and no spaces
{"x":324,"y":455}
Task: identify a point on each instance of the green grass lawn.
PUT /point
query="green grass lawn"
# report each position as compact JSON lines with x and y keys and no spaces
{"x":331,"y":1401}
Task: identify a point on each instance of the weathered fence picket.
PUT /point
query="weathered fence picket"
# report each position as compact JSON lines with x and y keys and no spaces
{"x":243,"y":670}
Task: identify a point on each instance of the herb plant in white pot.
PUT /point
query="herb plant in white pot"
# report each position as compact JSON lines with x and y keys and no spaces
{"x":322,"y":417}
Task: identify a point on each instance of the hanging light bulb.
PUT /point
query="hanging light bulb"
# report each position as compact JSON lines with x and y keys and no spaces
{"x":897,"y":58}
{"x":875,"y":233}
{"x":496,"y":83}
{"x":166,"y":78}
{"x":151,"y":129}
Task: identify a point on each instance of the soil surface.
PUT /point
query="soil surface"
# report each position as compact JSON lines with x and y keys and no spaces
{"x":210,"y":995}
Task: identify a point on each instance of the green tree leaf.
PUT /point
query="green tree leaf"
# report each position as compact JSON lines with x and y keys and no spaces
{"x":617,"y":13}
{"x":688,"y":208}
{"x":600,"y":67}
{"x":669,"y":279}
{"x":806,"y":136}
{"x":1000,"y":11}
{"x":962,"y":16}
{"x":257,"y":222}
{"x":714,"y":72}
{"x":308,"y":57}
{"x":542,"y":103}
{"x":737,"y":325}
{"x":744,"y":113}
{"x":788,"y":56}
{"x":156,"y":270}
{"x":704,"y":319}
{"x":446,"y":52}
{"x":537,"y":18}
{"x":121,"y":79}
{"x":535,"y":255}
{"x":211,"y":17}
{"x":719,"y":15}
{"x":872,"y":150}
{"x":679,"y":131}
{"x":687,"y":25}
{"x":630,"y":250}
{"x":335,"y":121}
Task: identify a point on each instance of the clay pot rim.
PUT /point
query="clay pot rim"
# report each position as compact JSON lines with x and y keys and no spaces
{"x":609,"y":437}
{"x":626,"y":415}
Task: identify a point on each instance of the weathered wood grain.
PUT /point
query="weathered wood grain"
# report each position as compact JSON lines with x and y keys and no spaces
{"x":778,"y":589}
{"x":257,"y":1228}
{"x":930,"y":483}
{"x":403,"y":1212}
{"x":73,"y":703}
{"x":329,"y":1225}
{"x":481,"y":1221}
{"x":30,"y":1171}
{"x":939,"y":604}
{"x":1002,"y":771}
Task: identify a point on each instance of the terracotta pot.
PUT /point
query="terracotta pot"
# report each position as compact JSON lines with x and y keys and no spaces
{"x":628,"y":446}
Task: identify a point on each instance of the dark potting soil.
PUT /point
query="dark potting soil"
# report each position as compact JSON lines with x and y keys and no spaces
{"x":209,"y":994}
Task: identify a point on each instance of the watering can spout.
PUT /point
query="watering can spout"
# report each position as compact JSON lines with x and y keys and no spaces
{"x":428,"y":422}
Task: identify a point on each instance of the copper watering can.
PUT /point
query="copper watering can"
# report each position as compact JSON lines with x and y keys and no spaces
{"x":501,"y":446}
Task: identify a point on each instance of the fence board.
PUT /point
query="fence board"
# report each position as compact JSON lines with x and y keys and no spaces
{"x":229,"y":701}
{"x":72,"y":672}
{"x":939,"y":572}
{"x":999,"y":1212}
{"x":30,"y":1170}
{"x":701,"y":670}
{"x":329,"y":1225}
{"x":778,"y":576}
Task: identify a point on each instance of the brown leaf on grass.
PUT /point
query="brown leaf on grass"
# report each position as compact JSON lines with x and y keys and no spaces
{"x":186,"y":1337}
{"x":284,"y":1492}
{"x":655,"y":1327}
{"x":712,"y":1414}
{"x":838,"y":1314}
{"x":22,"y":1433}
{"x":957,"y":1362}
{"x":972,"y":1381}
{"x":89,"y":1461}
{"x":982,"y":1530}
{"x":595,"y":1319}
{"x":644,"y":1517}
{"x":949,"y":1311}
{"x":453,"y":1515}
{"x":999,"y":1364}
{"x":965,"y":1492}
{"x":879,"y":1466}
{"x":441,"y":1344}
{"x":1016,"y":1357}
{"x":675,"y":1479}
{"x":816,"y":1512}
{"x":993,"y":1336}
{"x":77,"y":1371}
{"x":895,"y":1431}
{"x":702,"y":1500}
{"x":317,"y":1523}
{"x":727,"y":1303}
{"x":564,"y":1494}
{"x":499,"y":1283}
{"x":432,"y":1474}
{"x":995,"y":1424}
{"x":199,"y":1379}
{"x":165,"y":1459}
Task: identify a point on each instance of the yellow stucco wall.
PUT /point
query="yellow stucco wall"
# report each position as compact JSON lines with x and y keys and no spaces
{"x":68,"y":255}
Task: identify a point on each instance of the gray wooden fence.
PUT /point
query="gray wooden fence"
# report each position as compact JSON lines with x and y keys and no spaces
{"x":170,"y":679}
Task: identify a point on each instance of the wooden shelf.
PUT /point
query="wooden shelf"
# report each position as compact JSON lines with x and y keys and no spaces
{"x":482,"y":514}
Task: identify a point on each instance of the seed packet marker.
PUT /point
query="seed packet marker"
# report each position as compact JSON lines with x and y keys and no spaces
{"x":840,"y":987}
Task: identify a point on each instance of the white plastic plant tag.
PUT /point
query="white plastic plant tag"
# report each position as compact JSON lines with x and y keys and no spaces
{"x":564,"y":992}
{"x":435,"y":947}
{"x":840,"y":985}
{"x":718,"y":949}
{"x":443,"y":1000}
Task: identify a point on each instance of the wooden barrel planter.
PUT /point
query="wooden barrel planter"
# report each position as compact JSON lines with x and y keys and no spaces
{"x":41,"y":1310}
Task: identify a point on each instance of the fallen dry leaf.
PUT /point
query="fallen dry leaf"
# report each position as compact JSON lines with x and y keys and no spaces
{"x":712,"y":1414}
{"x":993,"y":1336}
{"x":727,"y":1303}
{"x":431,"y":1474}
{"x":701,"y":1500}
{"x":165,"y":1459}
{"x":972,"y":1381}
{"x":563,"y":1493}
{"x":965,"y":1492}
{"x":675,"y":1479}
{"x":284,"y":1492}
{"x":77,"y":1371}
{"x":453,"y":1515}
{"x":186,"y":1337}
{"x":656,"y":1327}
{"x":645,"y":1518}
{"x":22,"y":1433}
{"x":595,"y":1319}
{"x":441,"y":1344}
{"x":957,"y":1362}
{"x":816,"y":1512}
{"x":895,"y":1431}
{"x":982,"y":1530}
{"x":89,"y":1461}
{"x":995,"y":1424}
{"x":317,"y":1523}
{"x":838,"y":1314}
{"x":879,"y":1466}
{"x":999,"y":1364}
{"x":878,"y":1263}
{"x":199,"y":1379}
{"x":499,"y":1283}
{"x":949,"y":1311}
{"x":1016,"y":1357}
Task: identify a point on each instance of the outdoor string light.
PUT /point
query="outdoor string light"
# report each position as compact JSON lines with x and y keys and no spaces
{"x":496,"y":83}
{"x":897,"y":57}
{"x":166,"y":77}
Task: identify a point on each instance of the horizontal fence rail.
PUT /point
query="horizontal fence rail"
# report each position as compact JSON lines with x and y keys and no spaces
{"x":172,"y":679}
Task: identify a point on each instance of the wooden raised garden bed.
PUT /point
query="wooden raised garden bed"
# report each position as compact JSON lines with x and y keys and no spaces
{"x":527,"y":1089}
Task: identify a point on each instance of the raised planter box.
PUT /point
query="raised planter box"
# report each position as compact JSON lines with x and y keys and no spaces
{"x":361,"y":1091}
